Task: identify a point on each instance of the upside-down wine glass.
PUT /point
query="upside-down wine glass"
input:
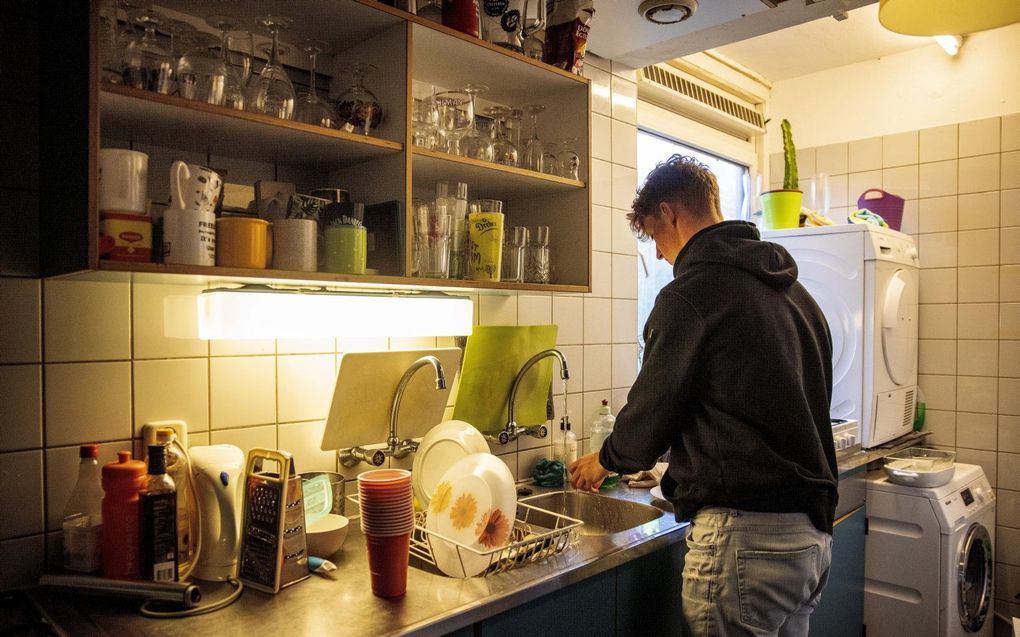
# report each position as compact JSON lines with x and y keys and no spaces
{"x":358,"y":109}
{"x":473,"y":144}
{"x":503,"y":149}
{"x":271,"y":92}
{"x":312,"y":109}
{"x":237,"y":50}
{"x":201,"y":73}
{"x":534,"y":151}
{"x":147,"y":65}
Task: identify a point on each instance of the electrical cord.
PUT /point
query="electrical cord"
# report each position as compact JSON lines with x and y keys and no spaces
{"x":198,"y":610}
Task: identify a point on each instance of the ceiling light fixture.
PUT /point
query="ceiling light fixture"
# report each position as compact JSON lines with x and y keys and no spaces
{"x":661,"y":12}
{"x":258,"y":311}
{"x":941,"y":17}
{"x":950,"y":43}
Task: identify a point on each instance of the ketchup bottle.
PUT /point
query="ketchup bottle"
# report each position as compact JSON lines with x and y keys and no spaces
{"x":462,"y":15}
{"x":122,"y":480}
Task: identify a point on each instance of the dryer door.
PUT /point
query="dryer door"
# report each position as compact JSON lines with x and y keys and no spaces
{"x":898,"y":305}
{"x":974,"y":578}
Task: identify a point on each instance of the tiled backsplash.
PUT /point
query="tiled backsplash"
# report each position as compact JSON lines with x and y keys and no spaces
{"x":962,"y":189}
{"x":86,"y":361}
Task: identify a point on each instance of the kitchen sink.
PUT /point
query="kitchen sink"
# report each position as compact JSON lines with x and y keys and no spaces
{"x":602,"y":515}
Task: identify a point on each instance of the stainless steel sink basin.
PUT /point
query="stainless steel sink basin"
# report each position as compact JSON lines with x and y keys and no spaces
{"x":601,"y":514}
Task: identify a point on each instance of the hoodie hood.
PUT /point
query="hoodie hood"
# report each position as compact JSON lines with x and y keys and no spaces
{"x":737,"y":244}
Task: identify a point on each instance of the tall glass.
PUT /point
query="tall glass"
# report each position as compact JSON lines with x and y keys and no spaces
{"x":237,"y":50}
{"x":424,"y":117}
{"x":272,"y":92}
{"x":534,"y":151}
{"x":147,"y":65}
{"x":515,"y":244}
{"x":538,"y":267}
{"x":310,"y":108}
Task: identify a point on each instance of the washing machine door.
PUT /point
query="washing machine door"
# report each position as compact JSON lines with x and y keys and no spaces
{"x":974,"y":578}
{"x":899,"y":325}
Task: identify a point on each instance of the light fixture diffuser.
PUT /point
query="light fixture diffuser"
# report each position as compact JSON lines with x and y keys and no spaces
{"x":946,"y":17}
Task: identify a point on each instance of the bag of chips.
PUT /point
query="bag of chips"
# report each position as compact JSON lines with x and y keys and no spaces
{"x":566,"y":33}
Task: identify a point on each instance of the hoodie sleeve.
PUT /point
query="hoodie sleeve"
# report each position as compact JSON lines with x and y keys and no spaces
{"x":646,"y":426}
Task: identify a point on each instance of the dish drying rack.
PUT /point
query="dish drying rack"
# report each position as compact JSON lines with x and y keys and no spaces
{"x":528,"y":543}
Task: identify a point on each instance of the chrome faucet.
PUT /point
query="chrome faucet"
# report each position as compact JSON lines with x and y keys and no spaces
{"x":512,"y":430}
{"x":395,"y":447}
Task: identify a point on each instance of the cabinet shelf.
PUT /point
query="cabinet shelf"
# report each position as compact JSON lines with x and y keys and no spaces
{"x":493,"y":180}
{"x":144,"y":117}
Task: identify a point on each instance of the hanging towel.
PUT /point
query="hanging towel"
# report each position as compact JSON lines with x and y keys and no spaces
{"x":493,"y":356}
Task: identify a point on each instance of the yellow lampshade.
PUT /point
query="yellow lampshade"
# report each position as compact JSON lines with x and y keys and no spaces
{"x":946,"y":17}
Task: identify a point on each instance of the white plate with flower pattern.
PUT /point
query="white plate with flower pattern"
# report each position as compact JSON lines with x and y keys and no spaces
{"x":440,"y":449}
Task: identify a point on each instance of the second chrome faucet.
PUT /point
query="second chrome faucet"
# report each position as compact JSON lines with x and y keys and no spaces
{"x":512,"y":431}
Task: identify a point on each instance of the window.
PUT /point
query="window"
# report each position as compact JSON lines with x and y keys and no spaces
{"x":734,"y":182}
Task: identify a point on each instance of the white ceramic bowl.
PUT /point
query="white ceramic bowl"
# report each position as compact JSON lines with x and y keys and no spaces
{"x":326,"y":536}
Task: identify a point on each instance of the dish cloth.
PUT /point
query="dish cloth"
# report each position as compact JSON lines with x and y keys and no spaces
{"x":549,"y":473}
{"x":646,"y":479}
{"x":866,"y":216}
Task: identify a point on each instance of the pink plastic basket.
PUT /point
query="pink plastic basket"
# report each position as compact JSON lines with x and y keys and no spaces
{"x":884,"y":204}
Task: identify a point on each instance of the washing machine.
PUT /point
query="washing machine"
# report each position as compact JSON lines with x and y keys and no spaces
{"x":865,"y":280}
{"x":929,"y":557}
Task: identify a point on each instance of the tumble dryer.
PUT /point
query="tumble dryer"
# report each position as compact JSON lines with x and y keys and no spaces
{"x":865,"y":280}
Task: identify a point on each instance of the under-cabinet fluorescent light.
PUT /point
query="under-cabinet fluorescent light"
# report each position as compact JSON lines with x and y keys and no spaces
{"x":258,"y":312}
{"x":949,"y":43}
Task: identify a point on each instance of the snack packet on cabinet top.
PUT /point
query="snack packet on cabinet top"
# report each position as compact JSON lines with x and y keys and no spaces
{"x":566,"y":33}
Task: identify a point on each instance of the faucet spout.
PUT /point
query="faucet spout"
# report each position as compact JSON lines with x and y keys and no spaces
{"x":512,"y":431}
{"x":396,"y":448}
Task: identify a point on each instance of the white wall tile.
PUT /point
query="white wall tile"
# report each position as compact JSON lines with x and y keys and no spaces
{"x":865,"y":154}
{"x":147,"y":322}
{"x":937,"y":321}
{"x":21,"y":493}
{"x":979,"y":174}
{"x":1009,"y":321}
{"x":601,"y":183}
{"x":305,"y":385}
{"x":937,"y":214}
{"x":242,"y":392}
{"x":303,"y":439}
{"x":625,"y":327}
{"x":624,"y":144}
{"x":1009,"y":434}
{"x":526,"y":460}
{"x":21,"y":317}
{"x":21,"y":411}
{"x":909,"y":223}
{"x":624,"y":364}
{"x":979,"y":284}
{"x":624,"y":241}
{"x":601,"y":274}
{"x":1009,"y":396}
{"x":595,"y":61}
{"x":1009,"y":283}
{"x":937,"y":250}
{"x":1009,"y":207}
{"x":900,"y":149}
{"x":936,"y":356}
{"x":600,"y":90}
{"x":939,"y":391}
{"x":806,"y":160}
{"x":412,"y":342}
{"x":838,"y":197}
{"x":306,"y":346}
{"x":601,"y":228}
{"x":901,"y":181}
{"x":1009,"y":246}
{"x":938,"y":285}
{"x":979,"y":210}
{"x":575,"y":363}
{"x":980,"y":137}
{"x":975,"y":431}
{"x":1009,"y":473}
{"x":246,"y":438}
{"x":976,"y":394}
{"x":601,"y":137}
{"x":777,"y":165}
{"x":23,"y":560}
{"x":977,"y":358}
{"x":62,"y":474}
{"x":978,"y":247}
{"x":624,"y":100}
{"x":86,"y":321}
{"x":364,"y":344}
{"x":624,"y":186}
{"x":87,"y":402}
{"x":534,"y":309}
{"x":568,"y":315}
{"x":598,"y":320}
{"x":978,"y":321}
{"x":942,"y":427}
{"x":979,"y":457}
{"x":937,"y":179}
{"x":242,"y":347}
{"x":598,"y":364}
{"x":1009,"y":359}
{"x":1010,"y":132}
{"x":860,"y":182}
{"x":1010,"y":173}
{"x":624,"y":276}
{"x":832,"y":159}
{"x":497,"y":310}
{"x":938,"y":144}
{"x":175,"y":389}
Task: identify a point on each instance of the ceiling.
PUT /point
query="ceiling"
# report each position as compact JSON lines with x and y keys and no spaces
{"x":819,"y":45}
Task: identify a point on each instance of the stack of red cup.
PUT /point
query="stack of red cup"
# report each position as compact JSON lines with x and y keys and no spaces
{"x":387,"y":519}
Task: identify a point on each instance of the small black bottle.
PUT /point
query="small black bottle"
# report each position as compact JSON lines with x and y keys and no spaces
{"x":158,"y":524}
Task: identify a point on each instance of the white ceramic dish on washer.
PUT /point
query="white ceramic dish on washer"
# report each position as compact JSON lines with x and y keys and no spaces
{"x":440,"y":449}
{"x":474,"y":504}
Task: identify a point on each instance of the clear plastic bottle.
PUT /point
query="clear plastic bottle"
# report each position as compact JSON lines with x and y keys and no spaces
{"x":83,"y":515}
{"x":601,"y":427}
{"x":158,"y":503}
{"x":178,"y":467}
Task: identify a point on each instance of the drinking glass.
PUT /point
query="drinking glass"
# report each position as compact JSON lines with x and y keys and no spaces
{"x":109,"y":47}
{"x":550,"y":162}
{"x":514,"y":245}
{"x":201,"y":72}
{"x":455,"y":114}
{"x":147,"y":65}
{"x":568,"y":162}
{"x":534,"y":151}
{"x":431,"y":10}
{"x":358,"y":109}
{"x":533,"y":28}
{"x":424,"y":117}
{"x":516,"y":119}
{"x":538,"y":266}
{"x":503,"y":149}
{"x":821,"y":201}
{"x":436,"y":247}
{"x":472,"y":143}
{"x":237,"y":50}
{"x":420,"y":211}
{"x":271,"y":92}
{"x":310,"y":108}
{"x":182,"y":38}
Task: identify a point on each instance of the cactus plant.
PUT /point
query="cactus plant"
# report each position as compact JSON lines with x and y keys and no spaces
{"x":790,"y":178}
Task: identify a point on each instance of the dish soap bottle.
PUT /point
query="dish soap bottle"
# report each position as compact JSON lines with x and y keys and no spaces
{"x":158,"y":503}
{"x":83,"y":515}
{"x":600,"y":430}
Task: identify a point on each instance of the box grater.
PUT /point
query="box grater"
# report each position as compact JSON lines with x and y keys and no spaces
{"x":273,"y":548}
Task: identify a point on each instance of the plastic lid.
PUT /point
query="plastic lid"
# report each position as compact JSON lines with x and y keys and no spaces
{"x":165,"y":434}
{"x":125,"y":468}
{"x":88,"y":451}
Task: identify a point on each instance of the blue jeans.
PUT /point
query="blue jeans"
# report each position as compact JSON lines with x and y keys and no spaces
{"x":749,"y":573}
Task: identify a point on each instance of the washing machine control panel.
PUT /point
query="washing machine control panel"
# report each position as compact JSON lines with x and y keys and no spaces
{"x":890,"y":247}
{"x":954,"y":508}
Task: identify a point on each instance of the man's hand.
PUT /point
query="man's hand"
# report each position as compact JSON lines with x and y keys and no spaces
{"x":586,"y":473}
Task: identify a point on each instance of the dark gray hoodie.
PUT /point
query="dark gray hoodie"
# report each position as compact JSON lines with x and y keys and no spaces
{"x":736,"y":383}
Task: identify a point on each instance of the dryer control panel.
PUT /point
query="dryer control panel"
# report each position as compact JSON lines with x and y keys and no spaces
{"x":890,"y":246}
{"x":960,"y":505}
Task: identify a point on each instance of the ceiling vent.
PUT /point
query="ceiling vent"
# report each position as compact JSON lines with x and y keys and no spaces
{"x":663,"y":86}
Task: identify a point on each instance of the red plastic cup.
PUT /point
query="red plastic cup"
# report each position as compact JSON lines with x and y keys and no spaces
{"x":387,"y":561}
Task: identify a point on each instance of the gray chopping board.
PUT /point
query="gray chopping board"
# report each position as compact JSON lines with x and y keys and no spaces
{"x":365,"y":386}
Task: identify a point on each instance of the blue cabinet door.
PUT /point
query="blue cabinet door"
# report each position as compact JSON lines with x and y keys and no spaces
{"x":584,"y":609}
{"x":648,"y":594}
{"x":841,"y":610}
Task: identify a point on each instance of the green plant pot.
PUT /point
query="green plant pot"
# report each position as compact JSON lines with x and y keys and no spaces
{"x":781,"y":209}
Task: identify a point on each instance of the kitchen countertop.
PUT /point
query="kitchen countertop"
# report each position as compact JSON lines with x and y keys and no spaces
{"x":342,"y":602}
{"x":848,"y":462}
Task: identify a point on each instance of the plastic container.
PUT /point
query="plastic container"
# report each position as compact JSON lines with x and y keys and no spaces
{"x":781,"y":209}
{"x":920,"y":467}
{"x":122,"y":480}
{"x":884,"y":204}
{"x":601,"y":428}
{"x":83,"y":516}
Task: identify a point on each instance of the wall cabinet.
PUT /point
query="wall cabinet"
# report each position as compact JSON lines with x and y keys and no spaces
{"x":89,"y":114}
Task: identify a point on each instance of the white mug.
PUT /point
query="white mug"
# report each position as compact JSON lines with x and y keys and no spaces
{"x":194,"y":187}
{"x":189,"y":237}
{"x":295,"y":245}
{"x":123,"y":180}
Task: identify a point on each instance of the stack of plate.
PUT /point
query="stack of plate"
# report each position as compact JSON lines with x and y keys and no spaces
{"x":442,"y":446}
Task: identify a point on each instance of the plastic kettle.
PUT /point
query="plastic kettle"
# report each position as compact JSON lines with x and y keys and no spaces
{"x":218,"y":475}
